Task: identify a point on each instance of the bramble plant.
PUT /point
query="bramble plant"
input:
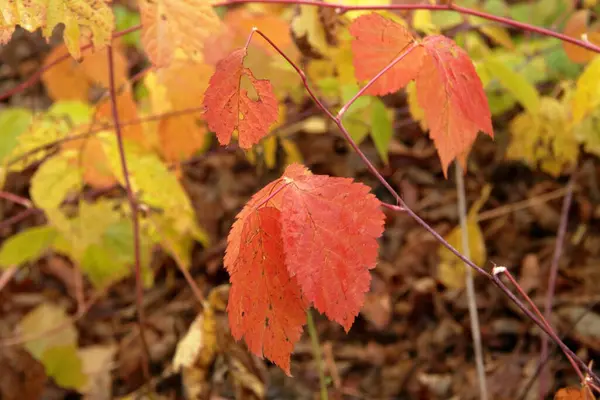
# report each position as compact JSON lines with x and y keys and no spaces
{"x":304,"y":239}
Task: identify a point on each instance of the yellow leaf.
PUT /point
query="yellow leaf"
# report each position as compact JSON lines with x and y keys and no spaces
{"x":53,"y":180}
{"x":423,"y":23}
{"x":93,"y":16}
{"x":63,"y":364}
{"x":292,"y":153}
{"x":588,"y":132}
{"x":451,"y":270}
{"x":356,"y":14}
{"x":515,"y":83}
{"x":416,"y":112}
{"x":587,"y":91}
{"x":46,"y":129}
{"x":545,"y":138}
{"x":39,"y":323}
{"x":308,"y":24}
{"x":154,"y":184}
{"x":169,"y":25}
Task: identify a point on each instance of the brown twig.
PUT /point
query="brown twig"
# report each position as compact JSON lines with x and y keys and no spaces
{"x":560,"y":239}
{"x":139,"y":289}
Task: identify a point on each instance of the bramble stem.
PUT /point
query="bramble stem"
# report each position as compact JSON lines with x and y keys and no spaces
{"x":471,"y":299}
{"x":560,"y":240}
{"x":434,"y":7}
{"x":568,"y":353}
{"x":316,"y":346}
{"x":139,"y":289}
{"x":403,"y":206}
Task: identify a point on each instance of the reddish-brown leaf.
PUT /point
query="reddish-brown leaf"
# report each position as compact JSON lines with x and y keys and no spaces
{"x":452,"y":97}
{"x":448,"y":87}
{"x":265,"y":304}
{"x":378,"y":41}
{"x":330,"y":228}
{"x":230,"y":108}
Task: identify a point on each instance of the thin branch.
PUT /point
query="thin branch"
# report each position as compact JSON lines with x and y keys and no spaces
{"x":434,"y":7}
{"x":91,"y":132}
{"x":570,"y":355}
{"x":16,"y":199}
{"x":560,"y":240}
{"x":139,"y":289}
{"x":316,"y":347}
{"x":19,"y":217}
{"x":33,"y":79}
{"x":405,"y":52}
{"x":402,"y":206}
{"x":471,"y":298}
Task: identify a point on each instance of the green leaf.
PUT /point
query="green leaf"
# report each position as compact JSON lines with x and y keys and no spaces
{"x":53,"y":181}
{"x":26,"y":246}
{"x":515,"y":83}
{"x":381,"y":129}
{"x":63,"y":364}
{"x":125,"y":18}
{"x":75,"y":112}
{"x":13,"y":122}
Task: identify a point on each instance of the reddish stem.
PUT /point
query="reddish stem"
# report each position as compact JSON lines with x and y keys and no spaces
{"x":439,"y":7}
{"x":402,"y":205}
{"x":139,"y":289}
{"x":16,"y":199}
{"x":543,"y":320}
{"x":560,"y":239}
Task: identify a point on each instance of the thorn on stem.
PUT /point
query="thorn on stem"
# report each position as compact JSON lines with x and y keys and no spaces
{"x":498,"y":269}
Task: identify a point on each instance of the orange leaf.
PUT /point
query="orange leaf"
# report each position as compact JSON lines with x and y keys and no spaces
{"x":265,"y":304}
{"x":574,"y":393}
{"x":448,"y":87}
{"x":180,"y":137}
{"x":128,"y":116}
{"x":94,"y":163}
{"x":241,"y":21}
{"x":378,"y":41}
{"x":230,"y":108}
{"x":72,"y":80}
{"x":330,"y":228}
{"x":66,"y":80}
{"x":452,"y":97}
{"x":577,"y":25}
{"x":171,"y":24}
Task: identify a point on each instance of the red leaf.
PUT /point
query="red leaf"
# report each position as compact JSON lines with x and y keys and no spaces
{"x":330,"y":228}
{"x":265,"y":304}
{"x":229,"y":108}
{"x":302,"y":238}
{"x":452,"y":96}
{"x":448,"y":87}
{"x":378,"y":41}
